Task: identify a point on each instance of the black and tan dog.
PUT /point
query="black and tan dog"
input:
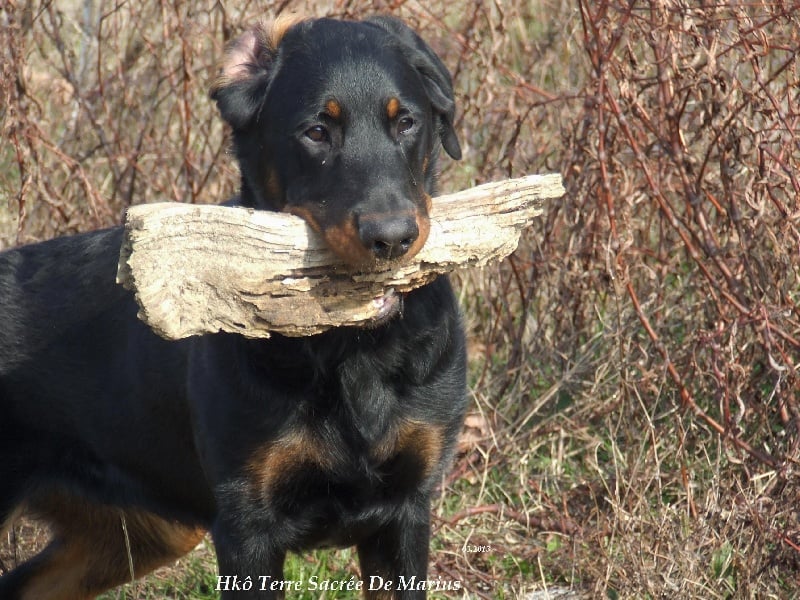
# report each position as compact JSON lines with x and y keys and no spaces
{"x":133,"y":447}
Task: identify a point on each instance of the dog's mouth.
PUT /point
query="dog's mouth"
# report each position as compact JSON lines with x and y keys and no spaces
{"x":374,"y":246}
{"x":388,"y":305}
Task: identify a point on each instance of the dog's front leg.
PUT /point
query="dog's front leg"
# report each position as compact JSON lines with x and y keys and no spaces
{"x":394,"y":560}
{"x":249,"y":566}
{"x":229,"y":442}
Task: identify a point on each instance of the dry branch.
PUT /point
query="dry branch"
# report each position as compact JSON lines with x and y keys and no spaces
{"x":200,"y":269}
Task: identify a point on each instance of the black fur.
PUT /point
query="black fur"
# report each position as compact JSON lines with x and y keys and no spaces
{"x":280,"y":445}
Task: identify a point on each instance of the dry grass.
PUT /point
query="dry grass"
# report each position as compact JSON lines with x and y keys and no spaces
{"x":634,"y":367}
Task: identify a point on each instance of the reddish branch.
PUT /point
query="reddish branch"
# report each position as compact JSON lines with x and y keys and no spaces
{"x":603,"y":25}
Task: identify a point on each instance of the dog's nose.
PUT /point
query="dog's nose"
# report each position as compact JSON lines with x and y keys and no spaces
{"x":388,"y":237}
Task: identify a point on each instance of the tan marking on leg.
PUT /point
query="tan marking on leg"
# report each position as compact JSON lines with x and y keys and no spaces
{"x":60,"y":574}
{"x":89,"y":553}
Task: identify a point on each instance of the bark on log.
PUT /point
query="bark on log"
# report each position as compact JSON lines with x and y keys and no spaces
{"x":199,"y":269}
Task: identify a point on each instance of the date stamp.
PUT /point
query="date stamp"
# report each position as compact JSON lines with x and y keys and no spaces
{"x":477,"y":548}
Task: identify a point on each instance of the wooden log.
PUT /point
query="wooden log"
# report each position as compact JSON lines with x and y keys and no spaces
{"x":199,"y":269}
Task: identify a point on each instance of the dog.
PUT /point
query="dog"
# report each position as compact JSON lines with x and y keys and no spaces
{"x":134,"y":447}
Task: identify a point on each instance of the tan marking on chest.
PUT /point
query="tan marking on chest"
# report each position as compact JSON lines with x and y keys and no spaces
{"x":277,"y":460}
{"x":420,"y":440}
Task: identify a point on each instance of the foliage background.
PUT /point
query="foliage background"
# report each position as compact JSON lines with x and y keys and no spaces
{"x":634,"y":367}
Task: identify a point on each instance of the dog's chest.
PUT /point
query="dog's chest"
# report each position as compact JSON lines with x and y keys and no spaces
{"x":333,"y":492}
{"x":305,"y":459}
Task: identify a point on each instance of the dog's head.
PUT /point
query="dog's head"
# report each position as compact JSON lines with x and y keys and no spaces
{"x":340,"y":122}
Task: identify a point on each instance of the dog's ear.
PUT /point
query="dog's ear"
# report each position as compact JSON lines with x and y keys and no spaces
{"x":435,"y":76}
{"x":247,"y":69}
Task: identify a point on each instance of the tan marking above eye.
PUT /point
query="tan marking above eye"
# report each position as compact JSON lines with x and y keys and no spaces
{"x":393,"y":108}
{"x":333,"y":109}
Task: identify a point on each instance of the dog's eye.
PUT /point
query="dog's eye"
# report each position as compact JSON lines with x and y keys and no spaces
{"x":404,"y":125}
{"x":317,"y":134}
